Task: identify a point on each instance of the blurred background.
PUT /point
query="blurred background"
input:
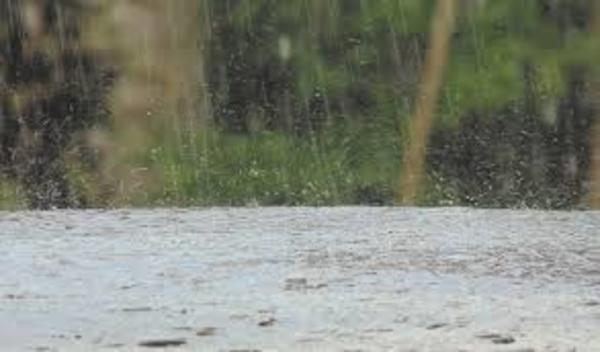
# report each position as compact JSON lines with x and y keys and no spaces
{"x":300,"y":102}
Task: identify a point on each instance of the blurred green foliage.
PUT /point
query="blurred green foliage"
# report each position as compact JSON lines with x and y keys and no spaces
{"x":310,"y":101}
{"x":341,"y":76}
{"x":270,"y":168}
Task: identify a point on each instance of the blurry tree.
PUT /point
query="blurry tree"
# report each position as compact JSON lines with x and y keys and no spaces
{"x":516,"y":116}
{"x":157,"y":49}
{"x":51,"y":88}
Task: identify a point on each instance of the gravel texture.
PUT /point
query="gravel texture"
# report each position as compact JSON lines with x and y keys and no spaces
{"x":286,"y":279}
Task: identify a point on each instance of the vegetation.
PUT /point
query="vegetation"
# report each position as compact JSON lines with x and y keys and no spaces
{"x":304,"y":102}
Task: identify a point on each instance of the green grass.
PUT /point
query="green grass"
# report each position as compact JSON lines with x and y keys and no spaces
{"x":350,"y":165}
{"x":11,"y":197}
{"x":353,"y":163}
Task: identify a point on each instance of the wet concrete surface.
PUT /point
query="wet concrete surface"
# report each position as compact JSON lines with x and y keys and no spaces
{"x":282,"y":279}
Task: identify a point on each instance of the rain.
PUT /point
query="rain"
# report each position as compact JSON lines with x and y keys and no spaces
{"x":299,"y":175}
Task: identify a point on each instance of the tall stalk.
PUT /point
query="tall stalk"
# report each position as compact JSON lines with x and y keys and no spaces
{"x":432,"y":78}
